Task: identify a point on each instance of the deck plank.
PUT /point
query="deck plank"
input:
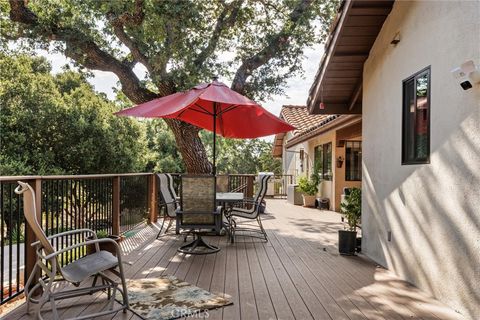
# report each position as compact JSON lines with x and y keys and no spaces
{"x":262,"y":296}
{"x":298,"y":274}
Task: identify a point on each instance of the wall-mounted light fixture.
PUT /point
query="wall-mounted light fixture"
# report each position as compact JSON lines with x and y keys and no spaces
{"x":396,"y":39}
{"x":340,"y":161}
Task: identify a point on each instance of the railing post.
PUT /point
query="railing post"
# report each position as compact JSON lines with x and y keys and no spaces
{"x":30,"y":253}
{"x":249,"y":192}
{"x":152,"y":199}
{"x":116,"y":206}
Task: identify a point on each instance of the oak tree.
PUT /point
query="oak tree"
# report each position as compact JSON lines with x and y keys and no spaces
{"x":257,"y":44}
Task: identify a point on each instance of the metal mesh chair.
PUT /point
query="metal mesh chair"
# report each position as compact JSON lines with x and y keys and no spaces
{"x":250,"y":210}
{"x":198,"y":211}
{"x":222,"y":183}
{"x":170,"y":202}
{"x":91,"y":266}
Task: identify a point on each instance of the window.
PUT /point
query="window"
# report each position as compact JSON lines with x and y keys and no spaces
{"x":416,"y":118}
{"x":353,"y":160}
{"x":323,"y":161}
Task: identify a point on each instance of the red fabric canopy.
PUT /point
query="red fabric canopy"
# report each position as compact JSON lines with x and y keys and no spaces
{"x":236,"y":116}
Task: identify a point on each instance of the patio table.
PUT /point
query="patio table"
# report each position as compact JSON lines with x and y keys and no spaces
{"x":228,"y":199}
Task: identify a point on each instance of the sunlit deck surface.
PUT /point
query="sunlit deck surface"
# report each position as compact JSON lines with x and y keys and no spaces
{"x":298,"y":274}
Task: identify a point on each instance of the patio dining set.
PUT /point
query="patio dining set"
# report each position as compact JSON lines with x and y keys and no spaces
{"x":198,"y":211}
{"x":205,"y":207}
{"x":201,"y":207}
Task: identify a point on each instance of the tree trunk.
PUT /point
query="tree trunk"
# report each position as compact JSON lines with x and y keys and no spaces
{"x":188,"y":141}
{"x":190,"y":146}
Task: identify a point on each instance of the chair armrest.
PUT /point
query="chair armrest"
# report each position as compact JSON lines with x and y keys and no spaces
{"x":81,"y":244}
{"x":66,"y":233}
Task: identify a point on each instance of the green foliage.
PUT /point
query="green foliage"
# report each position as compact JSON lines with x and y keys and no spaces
{"x":164,"y":155}
{"x":242,"y":155}
{"x":352,"y":208}
{"x":182,"y":41}
{"x":57,"y":124}
{"x":308,"y":186}
{"x":257,"y":45}
{"x":101,"y":234}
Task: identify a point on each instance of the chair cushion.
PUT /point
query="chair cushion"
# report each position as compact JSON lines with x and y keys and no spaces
{"x":81,"y":269}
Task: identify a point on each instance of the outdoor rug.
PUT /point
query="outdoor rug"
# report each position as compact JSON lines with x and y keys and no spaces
{"x":169,"y":298}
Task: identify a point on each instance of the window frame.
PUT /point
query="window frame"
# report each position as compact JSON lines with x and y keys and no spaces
{"x":324,"y":160}
{"x":405,"y":112}
{"x":346,"y":162}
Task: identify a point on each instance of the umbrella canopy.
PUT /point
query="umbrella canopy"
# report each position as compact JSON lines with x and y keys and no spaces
{"x":215,"y":107}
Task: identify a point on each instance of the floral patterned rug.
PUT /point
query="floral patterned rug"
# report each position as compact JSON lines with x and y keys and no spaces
{"x":170,"y":298}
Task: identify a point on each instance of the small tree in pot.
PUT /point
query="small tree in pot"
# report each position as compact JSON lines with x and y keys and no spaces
{"x":351,"y":210}
{"x":106,"y":246}
{"x":309,"y":188}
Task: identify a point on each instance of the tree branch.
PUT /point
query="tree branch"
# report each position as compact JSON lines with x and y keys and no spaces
{"x":84,"y":50}
{"x":223,"y":22}
{"x":275,"y":47}
{"x":128,"y":19}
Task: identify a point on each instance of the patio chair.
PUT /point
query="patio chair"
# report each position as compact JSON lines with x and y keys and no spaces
{"x":92,"y":266}
{"x":198,"y":212}
{"x":171,"y":187}
{"x":170,"y":202}
{"x":250,"y":210}
{"x":222,"y":183}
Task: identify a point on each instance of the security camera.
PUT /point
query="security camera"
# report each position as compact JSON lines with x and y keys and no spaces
{"x":467,"y":74}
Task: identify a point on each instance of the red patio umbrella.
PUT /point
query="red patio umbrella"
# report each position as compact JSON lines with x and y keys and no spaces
{"x":215,"y":107}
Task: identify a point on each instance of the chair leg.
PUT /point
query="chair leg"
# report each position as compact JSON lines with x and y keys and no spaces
{"x":259,"y":220}
{"x":47,"y":297}
{"x":169,"y":225}
{"x":54,"y":308}
{"x":124,"y":287}
{"x":163,"y":223}
{"x":27,"y":286}
{"x":232,"y":230}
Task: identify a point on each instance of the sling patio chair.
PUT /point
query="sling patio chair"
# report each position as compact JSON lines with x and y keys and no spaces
{"x":92,"y":266}
{"x":170,"y":202}
{"x":198,"y":212}
{"x":171,"y":187}
{"x":250,"y":210}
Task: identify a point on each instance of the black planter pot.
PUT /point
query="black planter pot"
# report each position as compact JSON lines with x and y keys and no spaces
{"x":347,"y":242}
{"x":106,"y":246}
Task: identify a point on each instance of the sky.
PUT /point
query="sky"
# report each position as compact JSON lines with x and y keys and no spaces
{"x":296,"y":89}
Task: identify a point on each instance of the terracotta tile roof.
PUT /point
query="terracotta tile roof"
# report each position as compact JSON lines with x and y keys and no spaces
{"x":299,"y":117}
{"x":305,"y":123}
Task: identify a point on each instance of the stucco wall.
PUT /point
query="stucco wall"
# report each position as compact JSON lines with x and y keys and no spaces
{"x":432,"y":210}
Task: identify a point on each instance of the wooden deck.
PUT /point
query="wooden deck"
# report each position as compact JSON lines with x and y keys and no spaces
{"x":298,"y":274}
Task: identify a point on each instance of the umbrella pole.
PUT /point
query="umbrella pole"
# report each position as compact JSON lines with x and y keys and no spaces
{"x":214,"y":169}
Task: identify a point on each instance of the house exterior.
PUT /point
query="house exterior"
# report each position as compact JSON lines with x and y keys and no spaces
{"x":331,"y":144}
{"x":421,"y":137}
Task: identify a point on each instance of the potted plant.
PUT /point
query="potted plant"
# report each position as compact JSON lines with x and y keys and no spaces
{"x":309,"y":189}
{"x":105,"y":246}
{"x":351,"y":210}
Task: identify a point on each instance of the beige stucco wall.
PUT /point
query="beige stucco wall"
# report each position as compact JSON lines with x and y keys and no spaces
{"x":432,"y":210}
{"x":327,"y":189}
